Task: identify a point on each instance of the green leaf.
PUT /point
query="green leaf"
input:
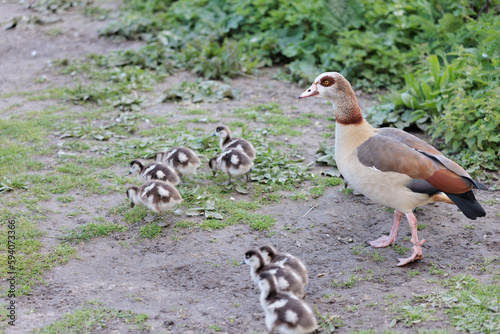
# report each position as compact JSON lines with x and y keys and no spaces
{"x":435,"y":69}
{"x":241,"y":189}
{"x":448,"y":136}
{"x":213,"y":215}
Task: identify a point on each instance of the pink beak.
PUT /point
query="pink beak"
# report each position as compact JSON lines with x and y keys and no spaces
{"x":312,"y":91}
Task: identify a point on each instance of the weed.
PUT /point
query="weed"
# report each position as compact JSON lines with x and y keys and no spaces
{"x":434,"y":270}
{"x":411,"y":315}
{"x":328,"y":322}
{"x":347,"y":284}
{"x":215,"y":328}
{"x":299,"y":195}
{"x":88,"y":231}
{"x":150,"y":231}
{"x":351,"y":308}
{"x":401,"y":250}
{"x":66,"y":198}
{"x":377,"y":257}
{"x":93,"y":316}
{"x":359,"y":250}
{"x":413,"y":273}
{"x":292,"y":229}
{"x":200,"y":91}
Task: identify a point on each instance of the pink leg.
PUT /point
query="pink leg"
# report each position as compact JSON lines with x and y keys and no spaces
{"x":417,"y":249}
{"x":385,"y":241}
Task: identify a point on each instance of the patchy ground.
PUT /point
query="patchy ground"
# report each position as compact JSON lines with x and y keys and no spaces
{"x":187,"y":279}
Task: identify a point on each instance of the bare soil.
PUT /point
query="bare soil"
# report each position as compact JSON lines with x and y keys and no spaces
{"x":188,"y":283}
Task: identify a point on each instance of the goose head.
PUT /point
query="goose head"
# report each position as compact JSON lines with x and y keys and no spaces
{"x":335,"y":88}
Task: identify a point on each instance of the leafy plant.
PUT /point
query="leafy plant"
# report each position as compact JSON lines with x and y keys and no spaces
{"x":200,"y":91}
{"x":89,"y":231}
{"x":150,"y":231}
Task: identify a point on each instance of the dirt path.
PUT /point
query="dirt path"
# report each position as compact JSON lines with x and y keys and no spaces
{"x":186,"y":280}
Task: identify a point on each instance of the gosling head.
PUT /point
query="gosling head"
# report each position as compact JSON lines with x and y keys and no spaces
{"x":253,"y":258}
{"x":136,"y":167}
{"x":222,"y":132}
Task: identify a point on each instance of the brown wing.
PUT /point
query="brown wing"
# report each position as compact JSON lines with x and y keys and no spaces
{"x":408,"y":139}
{"x":387,"y":154}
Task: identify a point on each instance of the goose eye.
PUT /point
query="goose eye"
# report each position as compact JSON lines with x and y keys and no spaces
{"x":326,"y":82}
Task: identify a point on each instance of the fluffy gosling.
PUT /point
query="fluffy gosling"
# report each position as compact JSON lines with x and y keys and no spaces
{"x":154,"y":171}
{"x":183,"y":160}
{"x":227,"y":142}
{"x":287,"y":260}
{"x":287,"y":280}
{"x":157,"y":196}
{"x":285,"y":313}
{"x":232,"y":162}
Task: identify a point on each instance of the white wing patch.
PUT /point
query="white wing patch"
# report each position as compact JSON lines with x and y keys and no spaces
{"x":291,"y":316}
{"x":273,"y":271}
{"x":283,"y":283}
{"x":183,"y":157}
{"x":160,"y":175}
{"x":163,"y":192}
{"x":235,"y":159}
{"x":278,"y":304}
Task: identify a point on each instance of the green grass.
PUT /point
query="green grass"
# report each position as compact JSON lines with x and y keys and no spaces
{"x":401,"y":250}
{"x":89,"y":231}
{"x":66,"y":198}
{"x":150,"y":231}
{"x":328,"y":323}
{"x":131,"y":215}
{"x":469,"y":305}
{"x":410,"y":315}
{"x":92,"y":317}
{"x":349,"y":283}
{"x":30,"y":264}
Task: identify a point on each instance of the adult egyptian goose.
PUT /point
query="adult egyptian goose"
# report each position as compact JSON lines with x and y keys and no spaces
{"x":227,"y":142}
{"x":392,"y":167}
{"x":285,"y":313}
{"x":183,"y":160}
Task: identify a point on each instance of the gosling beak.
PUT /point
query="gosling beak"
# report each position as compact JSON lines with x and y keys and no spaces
{"x":312,"y":91}
{"x":214,"y":134}
{"x":242,"y":262}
